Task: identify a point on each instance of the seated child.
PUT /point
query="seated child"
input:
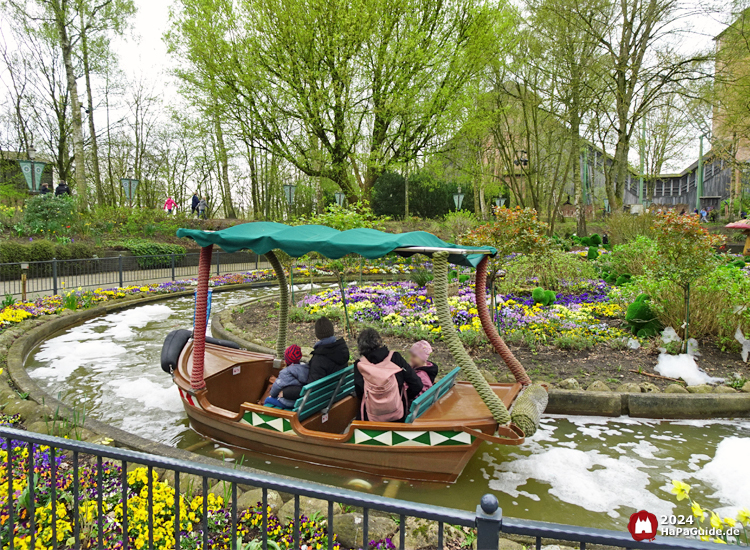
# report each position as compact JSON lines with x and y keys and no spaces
{"x":426,"y":370}
{"x":291,"y":377}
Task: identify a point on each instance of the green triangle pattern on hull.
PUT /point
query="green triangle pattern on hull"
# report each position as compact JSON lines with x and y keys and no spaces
{"x":397,"y":438}
{"x":267,"y":421}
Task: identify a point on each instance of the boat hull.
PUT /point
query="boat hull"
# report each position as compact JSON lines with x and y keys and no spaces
{"x":434,"y":448}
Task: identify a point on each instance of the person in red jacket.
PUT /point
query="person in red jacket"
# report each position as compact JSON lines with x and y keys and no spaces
{"x":170,"y":205}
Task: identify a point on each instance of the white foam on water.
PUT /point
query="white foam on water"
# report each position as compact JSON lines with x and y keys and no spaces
{"x":643,"y":449}
{"x":568,"y":444}
{"x":122,"y":324}
{"x":615,"y":483}
{"x":727,"y":472}
{"x":149,"y":393}
{"x":534,"y":497}
{"x":683,"y":366}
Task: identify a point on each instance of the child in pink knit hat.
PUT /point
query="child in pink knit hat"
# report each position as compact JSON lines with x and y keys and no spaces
{"x":420,"y":362}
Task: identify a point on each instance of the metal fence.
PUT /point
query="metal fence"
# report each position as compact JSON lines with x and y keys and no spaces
{"x":487,"y":520}
{"x":55,"y":275}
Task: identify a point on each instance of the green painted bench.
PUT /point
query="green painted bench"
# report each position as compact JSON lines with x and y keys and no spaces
{"x":420,"y":405}
{"x":323,"y":393}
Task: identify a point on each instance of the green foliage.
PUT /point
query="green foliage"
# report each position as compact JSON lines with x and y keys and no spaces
{"x":459,"y":224}
{"x":623,"y":227}
{"x":634,"y":258}
{"x":421,"y":277}
{"x":640,"y":319}
{"x":344,"y":218}
{"x":8,"y":301}
{"x":159,"y":254}
{"x":623,"y":279}
{"x":544,"y":297}
{"x":595,"y":239}
{"x":429,"y":197}
{"x":49,"y":213}
{"x":548,"y":270}
{"x":593,"y":253}
{"x":574,"y":342}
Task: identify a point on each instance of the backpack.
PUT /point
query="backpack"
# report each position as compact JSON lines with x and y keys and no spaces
{"x":384,"y":401}
{"x":425,"y":378}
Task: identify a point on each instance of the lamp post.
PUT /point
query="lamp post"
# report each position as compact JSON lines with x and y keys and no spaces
{"x":24,"y":270}
{"x":500,"y":202}
{"x":458,"y":198}
{"x":129,"y":185}
{"x":32,"y":170}
{"x":289,"y":190}
{"x":606,"y":206}
{"x":339,"y":198}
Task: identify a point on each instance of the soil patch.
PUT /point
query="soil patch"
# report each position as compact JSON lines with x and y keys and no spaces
{"x":612,"y":366}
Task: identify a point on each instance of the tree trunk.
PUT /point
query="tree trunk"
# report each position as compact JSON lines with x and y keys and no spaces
{"x":60,"y":9}
{"x":224,"y":170}
{"x":92,"y":127}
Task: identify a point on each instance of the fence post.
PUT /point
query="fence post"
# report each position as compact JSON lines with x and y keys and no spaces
{"x":172,"y":258}
{"x":217,"y":263}
{"x":489,"y":522}
{"x":119,"y":262}
{"x":256,"y":261}
{"x":54,"y":275}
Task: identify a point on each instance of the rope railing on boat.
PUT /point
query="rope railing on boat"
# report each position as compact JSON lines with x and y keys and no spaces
{"x":283,"y":303}
{"x":201,"y":312}
{"x":497,"y":342}
{"x":494,"y":403}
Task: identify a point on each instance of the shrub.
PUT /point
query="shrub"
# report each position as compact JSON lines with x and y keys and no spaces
{"x":635,"y":258}
{"x":41,"y":250}
{"x":623,"y":227}
{"x":641,"y":320}
{"x":719,"y":303}
{"x":344,"y":218}
{"x":158,"y":254}
{"x":553,"y":270}
{"x":45,"y":213}
{"x":460,"y":223}
{"x":544,"y":297}
{"x":593,"y":253}
{"x":684,"y":253}
{"x":421,"y":277}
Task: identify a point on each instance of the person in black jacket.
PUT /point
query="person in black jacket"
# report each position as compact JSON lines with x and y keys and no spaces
{"x":194,"y":203}
{"x":371,"y":346}
{"x":330,"y":354}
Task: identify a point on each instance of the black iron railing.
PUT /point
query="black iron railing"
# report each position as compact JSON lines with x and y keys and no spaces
{"x":45,"y":490}
{"x":53,"y":276}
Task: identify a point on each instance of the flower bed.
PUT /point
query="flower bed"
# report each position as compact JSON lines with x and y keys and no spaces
{"x":402,"y":304}
{"x":191,"y":520}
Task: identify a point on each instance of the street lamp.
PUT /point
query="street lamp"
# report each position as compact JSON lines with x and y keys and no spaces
{"x":606,"y":205}
{"x":523,"y":158}
{"x":32,"y":170}
{"x":289,"y":190}
{"x":339,"y":198}
{"x":129,"y":185}
{"x":500,"y":202}
{"x":458,"y":198}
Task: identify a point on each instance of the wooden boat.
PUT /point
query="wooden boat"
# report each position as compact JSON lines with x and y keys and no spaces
{"x":221,"y":386}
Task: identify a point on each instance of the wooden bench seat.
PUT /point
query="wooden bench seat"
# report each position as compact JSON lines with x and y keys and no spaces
{"x":323,"y":393}
{"x":420,"y":405}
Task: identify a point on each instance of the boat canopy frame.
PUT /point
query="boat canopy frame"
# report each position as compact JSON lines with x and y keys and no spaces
{"x":265,"y":237}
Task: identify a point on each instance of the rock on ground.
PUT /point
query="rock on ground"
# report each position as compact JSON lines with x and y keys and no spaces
{"x":422,"y":533}
{"x":724,"y":389}
{"x":569,"y":384}
{"x":648,"y":387}
{"x":349,"y":529}
{"x":223,"y":489}
{"x":675,"y":388}
{"x":628,"y":387}
{"x":307,"y":507}
{"x":701,"y":388}
{"x":598,"y":385}
{"x":745,"y":387}
{"x":190,"y":484}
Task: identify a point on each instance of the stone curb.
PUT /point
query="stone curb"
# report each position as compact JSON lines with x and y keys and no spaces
{"x":648,"y":405}
{"x":19,"y":350}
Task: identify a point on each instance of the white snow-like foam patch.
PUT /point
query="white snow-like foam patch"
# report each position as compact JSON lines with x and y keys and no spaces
{"x":728,"y":474}
{"x":684,"y":366}
{"x":643,"y":449}
{"x":615,"y":483}
{"x":151,"y":394}
{"x":123,"y":323}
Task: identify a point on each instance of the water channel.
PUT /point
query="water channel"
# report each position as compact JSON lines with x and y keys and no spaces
{"x":587,"y":471}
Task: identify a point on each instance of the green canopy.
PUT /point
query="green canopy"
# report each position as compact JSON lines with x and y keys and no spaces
{"x":262,"y":237}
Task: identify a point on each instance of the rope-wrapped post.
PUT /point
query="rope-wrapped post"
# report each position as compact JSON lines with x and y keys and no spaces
{"x":470,"y":370}
{"x":201,"y":311}
{"x":528,"y":408}
{"x":283,"y":303}
{"x":480,"y":295}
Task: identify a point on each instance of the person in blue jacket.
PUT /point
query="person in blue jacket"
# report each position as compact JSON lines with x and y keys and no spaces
{"x":291,"y":379}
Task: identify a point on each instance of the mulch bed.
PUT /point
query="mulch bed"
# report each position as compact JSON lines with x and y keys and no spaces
{"x":259,"y":321}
